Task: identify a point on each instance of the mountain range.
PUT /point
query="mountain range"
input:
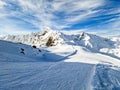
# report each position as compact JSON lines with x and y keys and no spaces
{"x":53,"y":60}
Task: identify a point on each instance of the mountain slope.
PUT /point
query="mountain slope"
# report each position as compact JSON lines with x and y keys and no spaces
{"x":18,"y":52}
{"x":55,"y":38}
{"x":63,"y":67}
{"x":52,"y":60}
{"x":37,"y":39}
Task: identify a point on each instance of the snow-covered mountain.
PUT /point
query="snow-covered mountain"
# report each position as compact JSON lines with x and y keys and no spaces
{"x":52,"y":60}
{"x":50,"y":37}
{"x":36,"y":39}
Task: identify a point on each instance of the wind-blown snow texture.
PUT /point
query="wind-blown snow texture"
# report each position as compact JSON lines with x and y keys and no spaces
{"x":73,"y":62}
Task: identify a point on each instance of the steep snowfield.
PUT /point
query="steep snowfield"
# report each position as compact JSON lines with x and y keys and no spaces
{"x":74,"y":62}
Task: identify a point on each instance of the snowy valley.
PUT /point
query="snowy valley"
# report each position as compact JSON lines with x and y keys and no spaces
{"x":53,"y":60}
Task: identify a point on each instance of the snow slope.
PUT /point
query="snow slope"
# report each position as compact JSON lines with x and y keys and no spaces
{"x":113,"y":51}
{"x":61,"y":67}
{"x":53,"y":60}
{"x":18,"y":52}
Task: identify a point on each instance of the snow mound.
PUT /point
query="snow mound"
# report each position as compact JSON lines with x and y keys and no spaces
{"x":18,"y":52}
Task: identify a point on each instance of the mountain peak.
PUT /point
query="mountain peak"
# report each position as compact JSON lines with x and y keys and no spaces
{"x":47,"y":29}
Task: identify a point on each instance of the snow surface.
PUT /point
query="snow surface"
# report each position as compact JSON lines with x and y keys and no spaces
{"x":75,"y":62}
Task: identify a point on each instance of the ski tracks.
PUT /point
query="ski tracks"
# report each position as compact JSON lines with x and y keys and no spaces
{"x":106,"y":77}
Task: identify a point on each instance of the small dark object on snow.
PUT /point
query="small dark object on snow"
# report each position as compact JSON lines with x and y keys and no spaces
{"x":39,"y":50}
{"x":34,"y":46}
{"x":22,"y":51}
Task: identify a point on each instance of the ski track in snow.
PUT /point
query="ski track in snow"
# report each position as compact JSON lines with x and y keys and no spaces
{"x":50,"y":57}
{"x":106,"y":78}
{"x":63,"y":76}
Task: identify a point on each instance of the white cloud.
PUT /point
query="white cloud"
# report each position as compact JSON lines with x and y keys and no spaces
{"x":11,"y":29}
{"x":76,"y":9}
{"x":81,"y":17}
{"x":70,"y":6}
{"x":2,"y":4}
{"x":115,"y":25}
{"x":44,"y":11}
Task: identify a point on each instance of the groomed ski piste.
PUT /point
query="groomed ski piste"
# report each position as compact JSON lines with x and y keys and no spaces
{"x":68,"y":65}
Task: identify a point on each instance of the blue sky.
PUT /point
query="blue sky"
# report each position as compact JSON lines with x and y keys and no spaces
{"x":22,"y":16}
